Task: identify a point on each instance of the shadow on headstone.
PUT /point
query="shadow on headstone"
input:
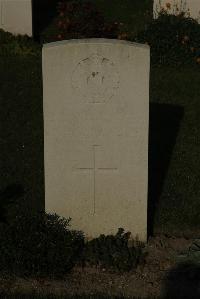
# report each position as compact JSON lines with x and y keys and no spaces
{"x":164,"y":122}
{"x":9,"y":196}
{"x":183,"y":281}
{"x":43,"y":12}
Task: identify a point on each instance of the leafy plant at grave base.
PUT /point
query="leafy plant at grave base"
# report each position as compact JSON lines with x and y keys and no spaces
{"x":17,"y":45}
{"x":113,"y":251}
{"x":174,"y":39}
{"x":78,"y":19}
{"x":39,"y":244}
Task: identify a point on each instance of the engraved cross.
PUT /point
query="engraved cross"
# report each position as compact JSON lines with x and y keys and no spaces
{"x":94,"y":169}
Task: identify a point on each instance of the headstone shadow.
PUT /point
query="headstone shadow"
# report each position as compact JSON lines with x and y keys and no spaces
{"x":183,"y":281}
{"x":9,"y":196}
{"x":164,"y":122}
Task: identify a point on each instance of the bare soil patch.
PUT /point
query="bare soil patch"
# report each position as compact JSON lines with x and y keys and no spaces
{"x":149,"y":279}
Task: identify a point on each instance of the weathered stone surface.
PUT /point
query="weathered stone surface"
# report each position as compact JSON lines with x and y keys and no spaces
{"x":96,"y":109}
{"x":16,"y":16}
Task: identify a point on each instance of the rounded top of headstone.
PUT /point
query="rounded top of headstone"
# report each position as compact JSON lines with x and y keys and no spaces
{"x":95,"y":41}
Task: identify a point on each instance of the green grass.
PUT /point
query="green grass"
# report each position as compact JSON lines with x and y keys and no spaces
{"x":21,"y":134}
{"x":178,"y":207}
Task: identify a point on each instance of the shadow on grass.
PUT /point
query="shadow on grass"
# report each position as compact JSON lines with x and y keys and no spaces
{"x":183,"y":281}
{"x":21,"y":133}
{"x":9,"y":196}
{"x":164,"y":123}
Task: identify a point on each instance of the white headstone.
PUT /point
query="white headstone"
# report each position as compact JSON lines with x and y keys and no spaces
{"x":190,"y":7}
{"x":16,"y":16}
{"x":96,"y":109}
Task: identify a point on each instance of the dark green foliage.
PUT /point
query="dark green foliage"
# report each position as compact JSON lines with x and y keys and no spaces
{"x":79,"y":19}
{"x":38,"y":244}
{"x":17,"y":45}
{"x":113,"y":252}
{"x":173,"y":39}
{"x":133,"y":15}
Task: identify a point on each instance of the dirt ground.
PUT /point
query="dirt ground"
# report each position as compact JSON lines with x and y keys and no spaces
{"x":161,"y":274}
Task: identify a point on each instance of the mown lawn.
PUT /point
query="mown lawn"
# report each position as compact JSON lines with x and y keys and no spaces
{"x":174,"y":156}
{"x":178,"y":156}
{"x":21,"y":133}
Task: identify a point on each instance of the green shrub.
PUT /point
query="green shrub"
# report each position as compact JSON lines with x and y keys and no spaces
{"x":17,"y":45}
{"x":173,"y":39}
{"x":39,"y":244}
{"x":79,"y":19}
{"x":113,"y":252}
